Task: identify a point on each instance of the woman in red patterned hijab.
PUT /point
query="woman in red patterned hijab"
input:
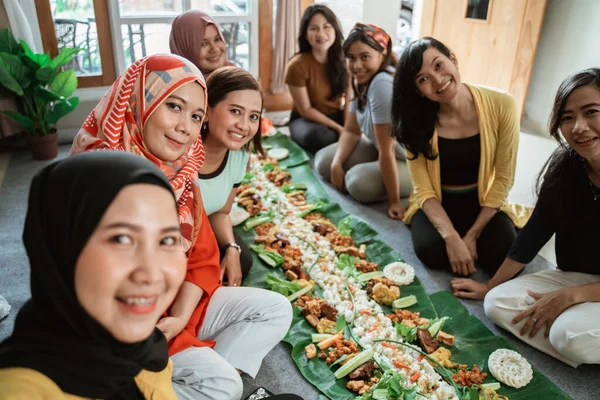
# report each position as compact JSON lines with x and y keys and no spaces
{"x":155,"y":109}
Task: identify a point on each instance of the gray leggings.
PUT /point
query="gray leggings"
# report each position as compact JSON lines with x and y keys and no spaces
{"x":313,"y":136}
{"x":363,"y":176}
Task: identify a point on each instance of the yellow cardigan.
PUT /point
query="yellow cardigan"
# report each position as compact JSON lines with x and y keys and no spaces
{"x":29,"y":384}
{"x":499,"y":132}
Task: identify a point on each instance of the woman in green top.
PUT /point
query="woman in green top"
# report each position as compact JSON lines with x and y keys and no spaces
{"x":232,"y":120}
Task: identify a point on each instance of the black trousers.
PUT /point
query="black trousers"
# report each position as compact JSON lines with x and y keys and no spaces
{"x":313,"y":136}
{"x":245,"y":256}
{"x":493,"y":243}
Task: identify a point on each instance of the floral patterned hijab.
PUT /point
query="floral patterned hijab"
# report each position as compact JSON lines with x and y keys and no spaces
{"x":118,"y":120}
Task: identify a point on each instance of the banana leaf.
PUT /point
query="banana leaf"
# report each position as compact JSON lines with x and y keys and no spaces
{"x":474,"y":343}
{"x":297,"y":155}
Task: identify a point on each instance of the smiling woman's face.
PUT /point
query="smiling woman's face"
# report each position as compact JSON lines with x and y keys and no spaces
{"x":175,"y":124}
{"x":132,"y":266}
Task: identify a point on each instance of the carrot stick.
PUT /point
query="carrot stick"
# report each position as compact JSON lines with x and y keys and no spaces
{"x":415,"y":376}
{"x":330,"y":341}
{"x":398,"y":364}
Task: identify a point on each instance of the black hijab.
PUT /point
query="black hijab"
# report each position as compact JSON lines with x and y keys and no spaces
{"x":53,"y":333}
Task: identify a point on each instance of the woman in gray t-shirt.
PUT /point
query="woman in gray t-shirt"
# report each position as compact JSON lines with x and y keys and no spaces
{"x":367,"y":161}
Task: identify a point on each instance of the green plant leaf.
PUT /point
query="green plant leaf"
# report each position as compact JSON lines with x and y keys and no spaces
{"x":9,"y":82}
{"x":64,"y":57}
{"x":41,"y":60}
{"x":61,"y":109}
{"x":8,"y":44}
{"x":14,"y":65}
{"x":25,"y":122}
{"x":46,"y":74}
{"x":46,"y":95}
{"x":65,"y":83}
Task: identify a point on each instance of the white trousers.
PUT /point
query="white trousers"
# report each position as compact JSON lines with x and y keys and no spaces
{"x":574,"y":336}
{"x":246,"y":323}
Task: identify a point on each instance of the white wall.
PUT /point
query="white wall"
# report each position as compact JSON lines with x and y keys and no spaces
{"x":383,"y":13}
{"x":568,"y":43}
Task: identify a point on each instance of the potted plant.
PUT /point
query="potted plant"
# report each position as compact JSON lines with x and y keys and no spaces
{"x":42,"y":91}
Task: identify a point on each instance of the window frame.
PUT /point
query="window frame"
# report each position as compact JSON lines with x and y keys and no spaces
{"x":50,"y":42}
{"x":116,"y":21}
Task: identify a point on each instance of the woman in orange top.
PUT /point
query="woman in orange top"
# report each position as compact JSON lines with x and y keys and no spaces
{"x":155,"y":109}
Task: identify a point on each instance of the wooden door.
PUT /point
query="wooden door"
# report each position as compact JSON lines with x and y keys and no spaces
{"x":494,"y":40}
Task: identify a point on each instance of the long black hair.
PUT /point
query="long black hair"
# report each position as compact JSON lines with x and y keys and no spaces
{"x":336,"y":62}
{"x":564,"y":164}
{"x":224,"y":81}
{"x":360,"y":90}
{"x":414,"y":116}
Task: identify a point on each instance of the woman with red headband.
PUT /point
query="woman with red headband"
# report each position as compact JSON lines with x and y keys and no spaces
{"x":367,"y":161}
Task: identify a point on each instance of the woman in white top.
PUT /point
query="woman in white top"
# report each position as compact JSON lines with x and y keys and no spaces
{"x":232,"y":120}
{"x":367,"y":161}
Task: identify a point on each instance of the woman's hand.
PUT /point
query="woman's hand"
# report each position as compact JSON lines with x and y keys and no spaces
{"x":471,"y":242}
{"x":171,"y":326}
{"x":544,"y":311}
{"x":396,"y":210}
{"x":231,"y":267}
{"x":469,"y":289}
{"x":338,"y":177}
{"x":461,"y":261}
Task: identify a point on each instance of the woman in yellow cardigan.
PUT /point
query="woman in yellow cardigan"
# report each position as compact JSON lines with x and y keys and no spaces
{"x":461,"y":143}
{"x":106,"y":262}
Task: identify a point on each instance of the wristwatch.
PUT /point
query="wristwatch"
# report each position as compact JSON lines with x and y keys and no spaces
{"x":232,"y":244}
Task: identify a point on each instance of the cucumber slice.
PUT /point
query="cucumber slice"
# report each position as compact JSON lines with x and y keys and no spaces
{"x":318,"y":337}
{"x":354,"y":363}
{"x":491,"y":386}
{"x":268,"y":260}
{"x":380,"y":394}
{"x":299,"y":293}
{"x":278,"y":153}
{"x":405,"y":302}
{"x":364,"y":278}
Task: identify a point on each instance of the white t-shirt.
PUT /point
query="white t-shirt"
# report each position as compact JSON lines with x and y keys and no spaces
{"x":378,"y":108}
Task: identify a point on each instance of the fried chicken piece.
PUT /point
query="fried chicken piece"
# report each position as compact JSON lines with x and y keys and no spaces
{"x":264,"y":229}
{"x":442,"y":355}
{"x":297,"y":199}
{"x":445,"y":338}
{"x":365,"y":266}
{"x":313,"y":217}
{"x":426,"y":341}
{"x":322,"y":229}
{"x":311,"y":351}
{"x":356,"y":386}
{"x":325,"y":326}
{"x":329,"y":312}
{"x":293,"y":265}
{"x":341,"y":241}
{"x":408,"y":318}
{"x":363,"y":371}
{"x":468,"y":378}
{"x":383,"y":291}
{"x":279,"y":177}
{"x":312,"y":320}
{"x":293,"y":253}
{"x":341,"y":347}
{"x":291,"y":276}
{"x":242,"y":188}
{"x":362,"y":251}
{"x":312,"y":307}
{"x":384,"y":294}
{"x":350,"y":250}
{"x":322,"y":355}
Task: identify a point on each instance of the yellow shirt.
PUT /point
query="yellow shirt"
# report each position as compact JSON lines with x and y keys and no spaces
{"x":29,"y":384}
{"x":499,"y":132}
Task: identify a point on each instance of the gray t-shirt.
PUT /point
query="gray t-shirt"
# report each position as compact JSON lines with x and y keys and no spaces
{"x":378,"y":109}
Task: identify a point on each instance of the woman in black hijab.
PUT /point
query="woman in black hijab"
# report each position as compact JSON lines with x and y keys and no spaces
{"x":103,"y":240}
